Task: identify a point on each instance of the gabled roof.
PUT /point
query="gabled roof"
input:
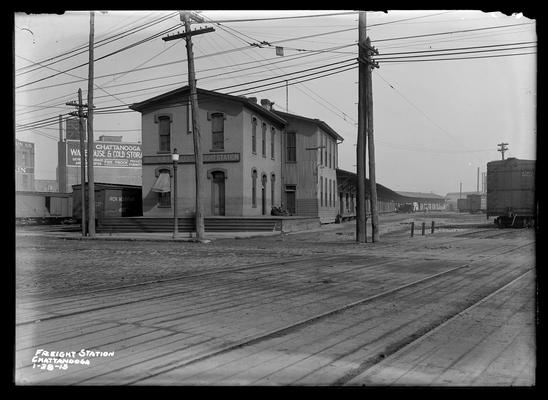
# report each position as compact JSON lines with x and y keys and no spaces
{"x":174,"y":96}
{"x":315,"y":121}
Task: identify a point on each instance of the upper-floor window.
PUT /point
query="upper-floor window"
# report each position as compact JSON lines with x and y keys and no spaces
{"x":325,"y":151}
{"x":291,"y":146}
{"x":217,"y":131}
{"x":164,"y":127}
{"x":321,"y":150}
{"x":264,"y":140}
{"x":272,"y":142}
{"x":254,"y":135}
{"x":330,"y":151}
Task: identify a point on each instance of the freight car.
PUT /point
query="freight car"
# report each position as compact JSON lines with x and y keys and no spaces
{"x":463,"y":205}
{"x":511,"y":192}
{"x":474,"y":203}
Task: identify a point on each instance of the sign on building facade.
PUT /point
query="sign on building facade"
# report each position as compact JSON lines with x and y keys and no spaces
{"x":107,"y":154}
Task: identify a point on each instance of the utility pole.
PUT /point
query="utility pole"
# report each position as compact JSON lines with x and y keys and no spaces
{"x":477,"y":184}
{"x":361,"y":217}
{"x":91,"y":180}
{"x":460,"y":193}
{"x":503,"y":148}
{"x":286,"y":97}
{"x":80,"y":114}
{"x":371,"y":144}
{"x":186,"y":17}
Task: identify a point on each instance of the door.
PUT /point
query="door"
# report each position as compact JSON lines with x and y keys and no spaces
{"x":290,"y":191}
{"x":263,"y":194}
{"x":218,"y":193}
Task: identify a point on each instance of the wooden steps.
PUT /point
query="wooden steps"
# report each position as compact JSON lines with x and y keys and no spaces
{"x":212,"y":224}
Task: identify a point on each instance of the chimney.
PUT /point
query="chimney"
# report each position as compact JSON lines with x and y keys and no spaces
{"x":266,"y":104}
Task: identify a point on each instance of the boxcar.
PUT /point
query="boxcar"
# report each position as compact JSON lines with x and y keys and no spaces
{"x":511,"y":192}
{"x":463,"y":205}
{"x":474,"y":203}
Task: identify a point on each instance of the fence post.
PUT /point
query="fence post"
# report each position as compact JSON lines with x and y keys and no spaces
{"x":412,"y":228}
{"x":423,"y":225}
{"x":432,"y":226}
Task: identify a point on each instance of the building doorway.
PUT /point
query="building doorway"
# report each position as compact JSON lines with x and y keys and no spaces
{"x":218,"y":193}
{"x":290,"y":197}
{"x":263,"y":194}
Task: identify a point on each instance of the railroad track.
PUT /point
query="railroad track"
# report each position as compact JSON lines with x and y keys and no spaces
{"x":319,"y":317}
{"x":292,"y":327}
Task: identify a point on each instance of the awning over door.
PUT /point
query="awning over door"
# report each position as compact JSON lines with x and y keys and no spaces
{"x":163,"y":183}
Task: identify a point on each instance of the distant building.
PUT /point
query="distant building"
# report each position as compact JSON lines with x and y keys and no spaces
{"x":424,"y":201}
{"x":453,"y":197}
{"x":24,"y":166}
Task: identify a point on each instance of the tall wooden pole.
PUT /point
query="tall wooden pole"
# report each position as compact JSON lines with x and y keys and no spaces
{"x":82,"y":162}
{"x":371,"y":146}
{"x":196,"y":129}
{"x":361,"y":218}
{"x":91,"y":181}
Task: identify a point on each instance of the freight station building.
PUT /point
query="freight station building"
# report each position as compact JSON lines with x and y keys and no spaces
{"x":255,"y":158}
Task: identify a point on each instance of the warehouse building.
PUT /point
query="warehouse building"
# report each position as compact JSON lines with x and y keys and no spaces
{"x":24,"y":165}
{"x":114,"y":161}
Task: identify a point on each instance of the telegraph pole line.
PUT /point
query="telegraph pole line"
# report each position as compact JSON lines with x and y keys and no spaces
{"x":80,"y":114}
{"x":186,"y":17}
{"x":370,"y":64}
{"x":361,"y":217}
{"x":503,"y":148}
{"x":91,"y":180}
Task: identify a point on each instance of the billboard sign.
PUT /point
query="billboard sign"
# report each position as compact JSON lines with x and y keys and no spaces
{"x":107,"y":154}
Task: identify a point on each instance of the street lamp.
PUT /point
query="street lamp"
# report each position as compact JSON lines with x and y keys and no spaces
{"x":175,"y":159}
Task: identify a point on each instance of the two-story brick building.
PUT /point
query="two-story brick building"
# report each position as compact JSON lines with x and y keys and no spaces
{"x":254,"y":158}
{"x":241,"y":146}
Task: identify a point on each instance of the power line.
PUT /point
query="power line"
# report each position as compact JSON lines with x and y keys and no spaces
{"x":105,"y":56}
{"x":457,"y":58}
{"x":418,"y":109}
{"x":280,"y":18}
{"x":448,"y":33}
{"x":83,"y":48}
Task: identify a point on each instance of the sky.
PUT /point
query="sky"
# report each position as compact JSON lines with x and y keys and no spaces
{"x":438,"y":117}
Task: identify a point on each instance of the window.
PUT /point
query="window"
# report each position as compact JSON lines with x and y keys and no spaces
{"x":254,"y":136}
{"x":164,"y":199}
{"x":254,"y":189}
{"x":217,"y":131}
{"x":321,"y":150}
{"x":264,"y":140}
{"x":321,"y":191}
{"x":330,"y":152}
{"x":272,"y":142}
{"x":330,"y":193}
{"x":272,"y":188}
{"x":325,"y":151}
{"x":162,"y":186}
{"x":334,"y":192}
{"x":325,"y":193}
{"x":291,"y":147}
{"x":164,"y":126}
